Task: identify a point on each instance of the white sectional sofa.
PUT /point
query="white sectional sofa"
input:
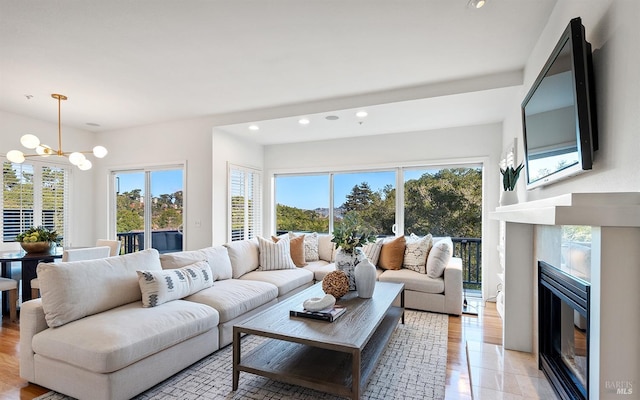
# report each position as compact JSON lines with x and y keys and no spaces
{"x":89,"y":336}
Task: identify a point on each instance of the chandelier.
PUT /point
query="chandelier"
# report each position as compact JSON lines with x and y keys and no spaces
{"x":32,"y":142}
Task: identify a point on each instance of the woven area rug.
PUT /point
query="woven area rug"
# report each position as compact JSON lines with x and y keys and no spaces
{"x":412,"y":367}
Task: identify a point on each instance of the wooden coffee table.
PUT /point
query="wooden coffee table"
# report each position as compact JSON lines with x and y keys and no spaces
{"x":334,"y":357}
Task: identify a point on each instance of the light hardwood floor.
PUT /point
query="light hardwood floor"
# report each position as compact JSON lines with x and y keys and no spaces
{"x":486,"y":327}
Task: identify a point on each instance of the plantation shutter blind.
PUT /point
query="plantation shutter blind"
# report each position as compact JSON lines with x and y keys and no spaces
{"x":245,"y":203}
{"x":33,"y":195}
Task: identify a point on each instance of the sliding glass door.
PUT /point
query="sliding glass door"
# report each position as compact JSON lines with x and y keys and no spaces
{"x":148,"y":208}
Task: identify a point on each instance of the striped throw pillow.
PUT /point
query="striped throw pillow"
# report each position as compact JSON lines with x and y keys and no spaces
{"x":275,"y":256}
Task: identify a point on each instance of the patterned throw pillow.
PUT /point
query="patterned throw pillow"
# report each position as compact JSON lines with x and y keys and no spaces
{"x":275,"y":256}
{"x":372,"y":251}
{"x":392,"y":253}
{"x":296,"y":245}
{"x":416,"y":252}
{"x":439,"y":257}
{"x":310,"y":246}
{"x":159,"y":287}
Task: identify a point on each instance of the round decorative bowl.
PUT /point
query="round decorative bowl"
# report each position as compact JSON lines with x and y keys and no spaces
{"x":36,"y":247}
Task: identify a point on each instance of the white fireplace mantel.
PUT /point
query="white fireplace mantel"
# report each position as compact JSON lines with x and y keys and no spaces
{"x":595,"y":209}
{"x":614,"y":325}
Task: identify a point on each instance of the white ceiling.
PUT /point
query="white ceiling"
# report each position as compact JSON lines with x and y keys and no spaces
{"x":126,"y":63}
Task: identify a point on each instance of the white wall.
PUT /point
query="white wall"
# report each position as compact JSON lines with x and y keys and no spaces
{"x":611,"y":27}
{"x":229,"y":149}
{"x":13,"y":126}
{"x":470,"y":144}
{"x":164,"y":143}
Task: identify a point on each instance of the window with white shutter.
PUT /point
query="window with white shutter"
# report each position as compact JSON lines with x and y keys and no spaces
{"x":34,"y":194}
{"x":245,"y":202}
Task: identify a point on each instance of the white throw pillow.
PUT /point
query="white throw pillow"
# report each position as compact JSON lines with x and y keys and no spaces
{"x":439,"y":257}
{"x":159,"y":287}
{"x":416,"y":252}
{"x":372,"y":251}
{"x":217,"y":256}
{"x":244,"y":256}
{"x":274,"y":255}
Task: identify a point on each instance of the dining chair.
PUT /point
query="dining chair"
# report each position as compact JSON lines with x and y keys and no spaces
{"x":80,"y":254}
{"x":113,"y":244}
{"x":11,"y":286}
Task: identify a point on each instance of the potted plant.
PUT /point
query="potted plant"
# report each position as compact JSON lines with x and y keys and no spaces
{"x":350,"y":235}
{"x":37,"y":239}
{"x":510,"y":177}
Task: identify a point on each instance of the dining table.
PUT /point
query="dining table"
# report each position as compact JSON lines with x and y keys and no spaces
{"x":29,"y":263}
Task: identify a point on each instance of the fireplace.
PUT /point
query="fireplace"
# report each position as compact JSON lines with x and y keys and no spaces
{"x":563,"y":306}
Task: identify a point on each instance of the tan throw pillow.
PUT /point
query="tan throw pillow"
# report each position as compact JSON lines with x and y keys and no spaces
{"x":296,"y":245}
{"x":439,"y":257}
{"x":416,"y":252}
{"x":392,"y":253}
{"x":310,"y":246}
{"x":159,"y":287}
{"x":275,"y":256}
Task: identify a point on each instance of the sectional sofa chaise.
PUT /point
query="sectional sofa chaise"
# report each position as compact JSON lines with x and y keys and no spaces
{"x":114,"y":327}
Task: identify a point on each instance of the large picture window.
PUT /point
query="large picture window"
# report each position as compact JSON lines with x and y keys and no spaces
{"x":34,"y":194}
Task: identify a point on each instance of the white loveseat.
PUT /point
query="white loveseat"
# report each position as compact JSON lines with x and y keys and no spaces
{"x":90,"y":337}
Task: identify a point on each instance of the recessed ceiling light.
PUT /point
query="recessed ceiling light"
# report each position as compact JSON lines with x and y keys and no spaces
{"x":304,"y":121}
{"x":254,"y":127}
{"x":92,"y":124}
{"x":477,"y":3}
{"x":331,"y":117}
{"x":361,"y":114}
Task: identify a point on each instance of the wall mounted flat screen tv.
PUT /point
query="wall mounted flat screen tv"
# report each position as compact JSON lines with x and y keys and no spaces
{"x":559,"y":112}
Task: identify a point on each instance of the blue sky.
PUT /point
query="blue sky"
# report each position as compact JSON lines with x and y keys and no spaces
{"x":162,"y":182}
{"x":312,"y":191}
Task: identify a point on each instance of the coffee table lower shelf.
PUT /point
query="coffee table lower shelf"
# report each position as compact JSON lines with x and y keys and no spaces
{"x":318,"y":368}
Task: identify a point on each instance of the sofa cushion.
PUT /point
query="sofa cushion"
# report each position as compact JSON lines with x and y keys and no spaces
{"x":217,"y":256}
{"x":392,"y":253}
{"x":296,"y":248}
{"x":439,"y":257}
{"x":310,"y":246}
{"x":159,"y":287}
{"x":111,"y":340}
{"x":320,"y":269}
{"x":275,"y":255}
{"x":234,"y":297}
{"x":416,"y":252}
{"x":244,"y":256}
{"x":413,"y":280}
{"x":326,"y":248}
{"x":285,"y":280}
{"x":372,"y":251}
{"x":76,"y":289}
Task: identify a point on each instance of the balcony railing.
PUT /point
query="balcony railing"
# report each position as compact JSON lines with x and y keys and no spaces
{"x":164,"y":241}
{"x":470,"y":251}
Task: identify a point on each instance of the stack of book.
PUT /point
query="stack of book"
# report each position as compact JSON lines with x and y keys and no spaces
{"x":328,"y":314}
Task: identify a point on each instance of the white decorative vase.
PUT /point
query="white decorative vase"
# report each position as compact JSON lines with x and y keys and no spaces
{"x":365,"y":273}
{"x":508,"y":197}
{"x":347,"y":262}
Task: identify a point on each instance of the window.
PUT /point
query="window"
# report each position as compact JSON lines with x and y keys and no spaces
{"x":34,"y":194}
{"x":440,"y":201}
{"x":245,"y":202}
{"x":149,"y":208}
{"x":309,"y":213}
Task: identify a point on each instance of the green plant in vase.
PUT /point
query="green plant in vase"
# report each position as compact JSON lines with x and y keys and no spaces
{"x":510,"y":177}
{"x":350,"y":235}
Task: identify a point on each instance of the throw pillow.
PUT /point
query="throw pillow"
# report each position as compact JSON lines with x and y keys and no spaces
{"x":310,"y":246}
{"x":296,"y":245}
{"x":392,"y":253}
{"x":159,"y":287}
{"x":372,"y":251}
{"x":275,"y":256}
{"x":439,"y":257}
{"x":416,"y":252}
